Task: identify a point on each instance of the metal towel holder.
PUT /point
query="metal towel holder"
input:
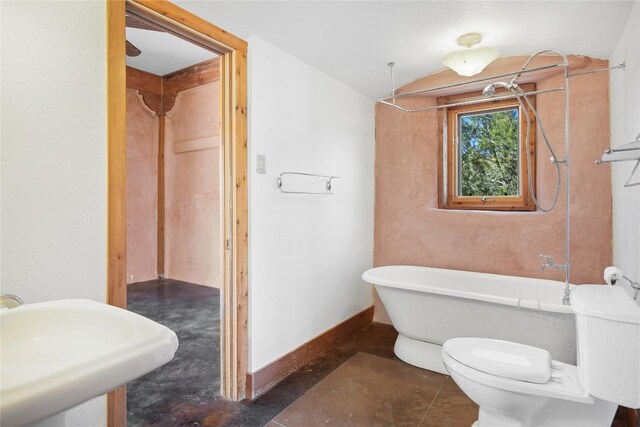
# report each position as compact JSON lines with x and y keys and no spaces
{"x":626,"y":152}
{"x":328,"y":183}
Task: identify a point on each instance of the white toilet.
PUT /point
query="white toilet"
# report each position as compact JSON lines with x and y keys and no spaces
{"x":519,"y":385}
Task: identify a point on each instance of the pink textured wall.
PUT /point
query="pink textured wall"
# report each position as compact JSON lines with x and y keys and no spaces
{"x":142,"y":189}
{"x":411,"y":229}
{"x":192,"y":186}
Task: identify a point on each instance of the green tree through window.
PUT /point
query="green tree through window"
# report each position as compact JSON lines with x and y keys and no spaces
{"x":489,"y":153}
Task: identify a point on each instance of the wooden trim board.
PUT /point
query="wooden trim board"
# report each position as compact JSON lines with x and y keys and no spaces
{"x":160,"y":245}
{"x":117,"y":178}
{"x":148,"y":85}
{"x":187,"y":78}
{"x":159,"y":92}
{"x":225,"y":41}
{"x":267,"y":377}
{"x":237,"y":292}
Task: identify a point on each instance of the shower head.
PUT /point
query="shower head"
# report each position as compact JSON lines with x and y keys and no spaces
{"x":491,"y":89}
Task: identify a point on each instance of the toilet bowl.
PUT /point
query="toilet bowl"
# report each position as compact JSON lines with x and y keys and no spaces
{"x":507,"y":400}
{"x":519,"y":385}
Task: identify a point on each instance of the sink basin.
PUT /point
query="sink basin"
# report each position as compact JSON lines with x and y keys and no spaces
{"x":55,"y":355}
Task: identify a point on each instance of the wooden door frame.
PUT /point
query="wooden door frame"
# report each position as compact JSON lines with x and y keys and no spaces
{"x":233,"y":109}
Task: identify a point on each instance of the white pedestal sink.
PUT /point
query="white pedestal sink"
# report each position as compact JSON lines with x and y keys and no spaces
{"x":55,"y":355}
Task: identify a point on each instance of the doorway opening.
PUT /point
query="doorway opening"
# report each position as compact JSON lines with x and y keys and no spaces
{"x":179,"y":140}
{"x":174,"y":211}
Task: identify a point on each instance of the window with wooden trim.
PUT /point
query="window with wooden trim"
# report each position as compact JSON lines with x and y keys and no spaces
{"x":485,"y":164}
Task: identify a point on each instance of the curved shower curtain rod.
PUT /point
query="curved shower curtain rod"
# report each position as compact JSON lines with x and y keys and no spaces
{"x":565,"y":64}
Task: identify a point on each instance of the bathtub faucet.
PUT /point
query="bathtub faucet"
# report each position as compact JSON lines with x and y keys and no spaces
{"x":550,"y":264}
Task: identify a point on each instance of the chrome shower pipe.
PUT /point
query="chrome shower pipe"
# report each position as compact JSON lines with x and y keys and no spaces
{"x":491,"y":89}
{"x":566,"y":300}
{"x":564,"y":63}
{"x":516,"y":89}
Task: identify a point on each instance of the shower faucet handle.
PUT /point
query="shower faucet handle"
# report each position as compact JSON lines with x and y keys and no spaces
{"x":546,"y":257}
{"x":548,"y":261}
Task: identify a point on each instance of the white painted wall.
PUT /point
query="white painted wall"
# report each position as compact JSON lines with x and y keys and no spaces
{"x":306,"y":252}
{"x":625,"y":125}
{"x":54,"y":178}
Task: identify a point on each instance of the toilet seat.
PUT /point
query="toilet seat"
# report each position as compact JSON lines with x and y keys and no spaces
{"x":566,"y":387}
{"x":502,"y":358}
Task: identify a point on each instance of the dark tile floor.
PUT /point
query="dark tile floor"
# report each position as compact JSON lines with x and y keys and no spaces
{"x":185,"y":392}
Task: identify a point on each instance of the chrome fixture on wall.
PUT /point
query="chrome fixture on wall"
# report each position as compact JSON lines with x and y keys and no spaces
{"x":328,"y":183}
{"x":613,"y":275}
{"x":550,"y":264}
{"x":624,"y":153}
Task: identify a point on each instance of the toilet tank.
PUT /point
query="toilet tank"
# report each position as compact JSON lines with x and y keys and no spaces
{"x":608,"y":337}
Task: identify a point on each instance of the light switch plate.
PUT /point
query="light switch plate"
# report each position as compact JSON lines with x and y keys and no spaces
{"x":261,"y":164}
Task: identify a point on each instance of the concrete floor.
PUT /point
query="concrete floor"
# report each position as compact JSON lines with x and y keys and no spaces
{"x":186,"y":390}
{"x":192,"y":378}
{"x":351,"y":384}
{"x":369,"y":390}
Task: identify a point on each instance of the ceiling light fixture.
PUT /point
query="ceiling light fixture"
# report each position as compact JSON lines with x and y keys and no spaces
{"x":471,"y":60}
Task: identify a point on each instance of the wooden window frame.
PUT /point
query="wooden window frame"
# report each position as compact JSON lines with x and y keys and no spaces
{"x":233,"y":109}
{"x":448,"y":131}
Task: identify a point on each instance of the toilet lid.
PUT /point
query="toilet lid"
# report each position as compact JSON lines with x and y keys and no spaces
{"x":502,"y":358}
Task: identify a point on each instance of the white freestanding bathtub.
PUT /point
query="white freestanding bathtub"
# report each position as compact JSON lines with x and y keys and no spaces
{"x":427,"y":306}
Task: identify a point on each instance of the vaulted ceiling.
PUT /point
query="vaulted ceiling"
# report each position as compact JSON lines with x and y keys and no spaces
{"x":354,"y":40}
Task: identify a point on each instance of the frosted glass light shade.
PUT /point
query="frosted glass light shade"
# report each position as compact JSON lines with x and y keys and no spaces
{"x":469,"y":62}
